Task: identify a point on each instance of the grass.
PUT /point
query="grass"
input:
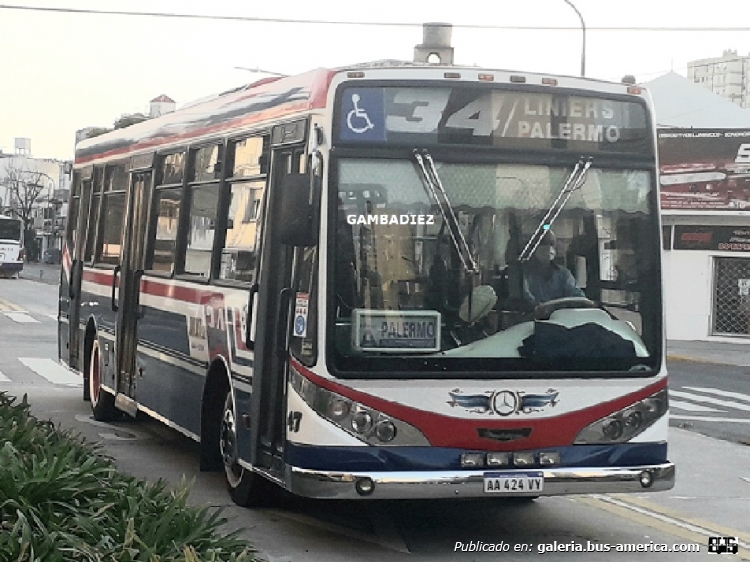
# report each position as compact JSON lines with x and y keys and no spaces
{"x":62,"y":500}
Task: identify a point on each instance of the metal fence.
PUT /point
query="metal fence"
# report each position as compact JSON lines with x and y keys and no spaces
{"x":731,"y":310}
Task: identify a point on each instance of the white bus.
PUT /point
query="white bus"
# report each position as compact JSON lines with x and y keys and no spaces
{"x":323,"y":280}
{"x":11,"y":246}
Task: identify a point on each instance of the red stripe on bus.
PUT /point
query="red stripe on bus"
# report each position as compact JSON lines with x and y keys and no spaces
{"x":446,"y":431}
{"x":159,"y":289}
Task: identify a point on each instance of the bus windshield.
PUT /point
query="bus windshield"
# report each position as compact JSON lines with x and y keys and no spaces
{"x":465,"y":266}
{"x":10,"y":230}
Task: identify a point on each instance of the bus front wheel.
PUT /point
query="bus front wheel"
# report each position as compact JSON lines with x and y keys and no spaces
{"x":246,"y":488}
{"x":102,"y":402}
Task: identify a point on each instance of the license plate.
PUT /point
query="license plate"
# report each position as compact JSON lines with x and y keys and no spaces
{"x":513,"y":483}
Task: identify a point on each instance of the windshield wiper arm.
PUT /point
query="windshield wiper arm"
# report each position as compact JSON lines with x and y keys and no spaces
{"x":434,"y":187}
{"x":574,"y":182}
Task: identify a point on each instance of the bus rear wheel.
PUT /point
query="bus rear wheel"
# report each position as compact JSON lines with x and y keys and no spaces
{"x":102,"y":402}
{"x":246,"y":488}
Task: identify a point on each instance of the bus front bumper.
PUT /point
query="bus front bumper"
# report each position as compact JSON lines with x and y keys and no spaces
{"x":470,"y":483}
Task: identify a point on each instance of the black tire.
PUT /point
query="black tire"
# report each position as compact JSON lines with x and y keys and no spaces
{"x":102,"y":402}
{"x":246,"y":488}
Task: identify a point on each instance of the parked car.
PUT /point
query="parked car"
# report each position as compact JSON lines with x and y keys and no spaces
{"x":52,"y":255}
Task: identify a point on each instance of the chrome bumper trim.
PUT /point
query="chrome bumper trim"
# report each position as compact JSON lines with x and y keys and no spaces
{"x":470,"y":483}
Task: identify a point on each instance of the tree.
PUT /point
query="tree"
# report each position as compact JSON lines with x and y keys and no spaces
{"x":25,"y":188}
{"x":128,"y":120}
{"x":96,"y":131}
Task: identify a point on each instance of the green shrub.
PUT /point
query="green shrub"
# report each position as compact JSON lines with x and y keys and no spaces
{"x":62,"y":500}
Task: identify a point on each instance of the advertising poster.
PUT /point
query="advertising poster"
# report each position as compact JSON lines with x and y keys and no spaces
{"x":704,"y":169}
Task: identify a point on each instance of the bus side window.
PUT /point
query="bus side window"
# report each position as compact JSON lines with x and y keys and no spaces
{"x":92,"y":222}
{"x":249,"y":159}
{"x":239,"y":256}
{"x":203,"y":207}
{"x":164,"y":242}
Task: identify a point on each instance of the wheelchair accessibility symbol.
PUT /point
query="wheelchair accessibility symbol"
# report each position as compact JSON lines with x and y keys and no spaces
{"x":357,"y":119}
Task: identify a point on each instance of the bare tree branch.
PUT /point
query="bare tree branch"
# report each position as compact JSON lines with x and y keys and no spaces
{"x":25,"y":188}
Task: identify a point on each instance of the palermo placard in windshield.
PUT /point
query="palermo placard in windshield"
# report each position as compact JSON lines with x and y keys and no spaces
{"x":496,"y":117}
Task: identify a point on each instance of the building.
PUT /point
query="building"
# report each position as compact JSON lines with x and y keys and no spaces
{"x":50,"y":180}
{"x":161,"y":105}
{"x":727,"y":76}
{"x":704,"y":161}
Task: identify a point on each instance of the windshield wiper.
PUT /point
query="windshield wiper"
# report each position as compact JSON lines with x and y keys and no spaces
{"x":575,"y":181}
{"x":434,"y":187}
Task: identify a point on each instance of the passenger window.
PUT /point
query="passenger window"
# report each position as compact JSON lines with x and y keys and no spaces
{"x":239,"y":257}
{"x":203,"y":206}
{"x":167,"y":208}
{"x":113,"y":216}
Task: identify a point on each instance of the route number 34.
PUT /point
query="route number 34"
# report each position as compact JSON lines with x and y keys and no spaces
{"x":425,"y":109}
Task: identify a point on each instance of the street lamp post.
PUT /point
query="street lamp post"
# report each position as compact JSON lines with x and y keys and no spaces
{"x":583,"y":29}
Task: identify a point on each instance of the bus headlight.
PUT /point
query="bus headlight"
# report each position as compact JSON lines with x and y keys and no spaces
{"x":364,"y":423}
{"x":622,"y":426}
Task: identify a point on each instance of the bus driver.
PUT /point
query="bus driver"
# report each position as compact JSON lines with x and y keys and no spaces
{"x":544,"y":280}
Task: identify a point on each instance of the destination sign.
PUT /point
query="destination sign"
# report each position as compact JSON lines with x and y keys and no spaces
{"x":395,"y":330}
{"x":495,"y":117}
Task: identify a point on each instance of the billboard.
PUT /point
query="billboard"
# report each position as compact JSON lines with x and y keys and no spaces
{"x":704,"y":169}
{"x":724,"y":238}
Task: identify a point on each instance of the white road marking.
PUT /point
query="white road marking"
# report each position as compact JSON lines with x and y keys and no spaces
{"x":21,"y":317}
{"x":718,"y":392}
{"x":52,"y":371}
{"x":710,"y":400}
{"x":3,"y":378}
{"x":708,"y":419}
{"x":692,"y":407}
{"x":53,"y":316}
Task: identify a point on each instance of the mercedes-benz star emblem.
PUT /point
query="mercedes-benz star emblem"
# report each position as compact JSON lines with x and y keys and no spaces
{"x":505,"y":402}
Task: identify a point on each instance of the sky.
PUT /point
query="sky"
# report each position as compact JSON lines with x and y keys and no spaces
{"x":60,"y":72}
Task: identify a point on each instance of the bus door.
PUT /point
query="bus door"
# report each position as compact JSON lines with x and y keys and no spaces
{"x":276,"y":297}
{"x":69,"y":334}
{"x":127,"y":301}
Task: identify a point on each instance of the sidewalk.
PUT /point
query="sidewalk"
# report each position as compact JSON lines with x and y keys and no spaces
{"x":42,"y":272}
{"x":709,"y":352}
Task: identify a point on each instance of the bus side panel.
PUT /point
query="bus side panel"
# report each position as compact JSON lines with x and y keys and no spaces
{"x":171,"y":388}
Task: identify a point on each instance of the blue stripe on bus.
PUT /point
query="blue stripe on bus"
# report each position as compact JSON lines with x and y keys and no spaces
{"x":375,"y":459}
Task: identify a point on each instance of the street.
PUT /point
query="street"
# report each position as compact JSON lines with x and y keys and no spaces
{"x":713,"y":478}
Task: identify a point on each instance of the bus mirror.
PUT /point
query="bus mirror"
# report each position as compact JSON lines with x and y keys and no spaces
{"x":297,"y":216}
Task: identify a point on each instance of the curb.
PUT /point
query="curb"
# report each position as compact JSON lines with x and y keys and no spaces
{"x":691,"y":359}
{"x":687,"y":358}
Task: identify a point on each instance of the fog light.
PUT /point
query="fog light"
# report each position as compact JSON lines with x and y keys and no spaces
{"x":338,"y":409}
{"x":549,"y":459}
{"x":646,"y":479}
{"x":361,"y":422}
{"x":523,"y":459}
{"x":613,"y":430}
{"x":498,"y":459}
{"x":385,"y":431}
{"x":364,"y":486}
{"x":472,"y":460}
